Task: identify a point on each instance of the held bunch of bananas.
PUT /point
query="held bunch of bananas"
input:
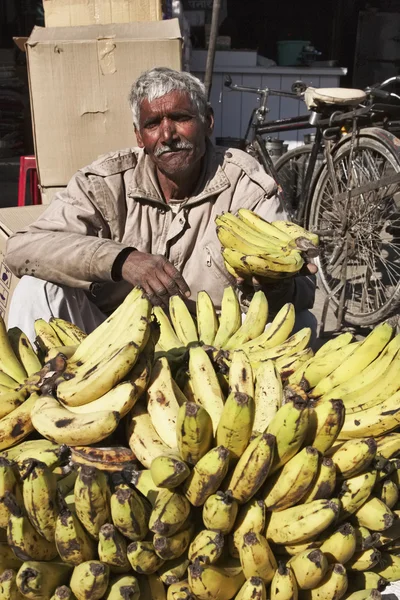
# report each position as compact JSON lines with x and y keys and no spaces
{"x":253,"y":246}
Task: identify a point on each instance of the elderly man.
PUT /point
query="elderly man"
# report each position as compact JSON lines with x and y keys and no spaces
{"x":145,"y":217}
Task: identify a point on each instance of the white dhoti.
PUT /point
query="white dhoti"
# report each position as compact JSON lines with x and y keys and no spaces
{"x":38,"y":299}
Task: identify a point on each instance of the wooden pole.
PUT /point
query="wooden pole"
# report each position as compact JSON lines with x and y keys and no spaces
{"x":211,"y":46}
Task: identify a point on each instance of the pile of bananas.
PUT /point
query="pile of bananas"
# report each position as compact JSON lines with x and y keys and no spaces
{"x":234,"y":462}
{"x":253,"y":246}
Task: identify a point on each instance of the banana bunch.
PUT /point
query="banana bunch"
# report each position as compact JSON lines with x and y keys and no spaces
{"x":253,"y":246}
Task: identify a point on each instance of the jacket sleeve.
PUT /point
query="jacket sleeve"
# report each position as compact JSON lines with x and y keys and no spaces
{"x":70,"y":242}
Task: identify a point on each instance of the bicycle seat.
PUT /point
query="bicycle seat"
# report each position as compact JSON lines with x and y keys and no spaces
{"x":340,"y":96}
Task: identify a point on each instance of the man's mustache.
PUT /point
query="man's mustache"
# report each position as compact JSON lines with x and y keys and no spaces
{"x":173,"y":148}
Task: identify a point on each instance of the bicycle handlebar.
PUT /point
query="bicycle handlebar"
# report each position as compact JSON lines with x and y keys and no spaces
{"x":241,"y":88}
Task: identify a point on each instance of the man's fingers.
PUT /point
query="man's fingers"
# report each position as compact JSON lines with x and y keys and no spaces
{"x":313,"y":269}
{"x":256,"y":283}
{"x":177,"y":278}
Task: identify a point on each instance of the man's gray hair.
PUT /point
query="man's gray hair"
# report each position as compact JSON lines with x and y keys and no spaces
{"x":160,"y":81}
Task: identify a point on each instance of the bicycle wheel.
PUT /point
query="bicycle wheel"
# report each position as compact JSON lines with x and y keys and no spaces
{"x":291,"y":170}
{"x":362,"y":239}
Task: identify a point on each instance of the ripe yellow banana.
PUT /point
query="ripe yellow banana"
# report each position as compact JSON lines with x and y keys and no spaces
{"x":169,"y":513}
{"x":11,"y":399}
{"x":289,"y":426}
{"x":23,"y":351}
{"x":122,"y":588}
{"x":253,"y":324}
{"x":69,"y":333}
{"x":252,"y":468}
{"x":287,"y":365}
{"x":182,"y":320}
{"x":143,"y":481}
{"x":388,"y":446}
{"x":207,"y":476}
{"x":299,"y":523}
{"x":372,"y":422}
{"x":8,"y":483}
{"x":129,"y":512}
{"x":272,"y":266}
{"x":207,"y":320}
{"x":364,"y":539}
{"x":17,"y":425}
{"x":168,"y":471}
{"x":236,"y":424}
{"x":168,"y":340}
{"x":175,"y":570}
{"x":73,"y":543}
{"x":388,"y":566}
{"x":333,"y":585}
{"x":293,"y":345}
{"x":143,"y":558}
{"x":40,"y":579}
{"x":8,"y":585}
{"x":220,"y":512}
{"x":163,"y":402}
{"x":251,"y":517}
{"x":375,"y":515}
{"x":42,"y":450}
{"x":232,"y":239}
{"x":179,"y":591}
{"x":276,"y":333}
{"x":58,"y":424}
{"x":152,"y":587}
{"x":92,"y":499}
{"x":262,"y":226}
{"x":230,"y":318}
{"x":194,"y":432}
{"x":129,"y":322}
{"x":8,"y":560}
{"x":340,"y":546}
{"x":371,"y":594}
{"x":362,"y":381}
{"x":388,"y":535}
{"x":295,"y":231}
{"x":325,"y":424}
{"x":268,"y":395}
{"x":288,"y":486}
{"x":23,"y":538}
{"x":207,"y":546}
{"x":112,"y":549}
{"x":284,"y":584}
{"x":209,"y":582}
{"x":324,"y":483}
{"x":250,"y":234}
{"x":363,"y":356}
{"x":7,"y":381}
{"x":241,"y":374}
{"x":108,"y":458}
{"x":364,"y":560}
{"x":319,"y":367}
{"x":173,"y":546}
{"x":46,"y":337}
{"x":90,"y":580}
{"x":256,"y":557}
{"x":355,"y":492}
{"x":120,"y":399}
{"x":365,"y":580}
{"x":354,"y":457}
{"x":39,"y":494}
{"x":252,"y":589}
{"x":309,"y":568}
{"x":143,"y":439}
{"x":205,"y":384}
{"x":90,"y":382}
{"x":9,"y":363}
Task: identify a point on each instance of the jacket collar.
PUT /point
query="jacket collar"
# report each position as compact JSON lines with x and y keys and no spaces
{"x":144,"y":183}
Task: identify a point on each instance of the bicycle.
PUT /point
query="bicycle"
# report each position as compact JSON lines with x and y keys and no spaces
{"x":344,"y":186}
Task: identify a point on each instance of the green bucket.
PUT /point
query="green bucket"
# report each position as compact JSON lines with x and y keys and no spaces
{"x":289,"y":52}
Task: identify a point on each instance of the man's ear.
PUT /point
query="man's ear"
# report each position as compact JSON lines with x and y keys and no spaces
{"x":209,"y":120}
{"x":139,"y":140}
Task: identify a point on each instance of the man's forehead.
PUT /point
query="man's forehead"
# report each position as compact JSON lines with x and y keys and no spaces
{"x":178,"y":98}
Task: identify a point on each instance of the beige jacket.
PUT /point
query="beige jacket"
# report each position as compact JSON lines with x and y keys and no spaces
{"x":116,"y":203}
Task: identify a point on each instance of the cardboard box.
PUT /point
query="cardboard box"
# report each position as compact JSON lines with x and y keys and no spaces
{"x":12,"y":220}
{"x":80,"y":79}
{"x":64,"y":13}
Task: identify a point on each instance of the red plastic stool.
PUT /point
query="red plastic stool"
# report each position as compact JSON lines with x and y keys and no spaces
{"x":27,"y":165}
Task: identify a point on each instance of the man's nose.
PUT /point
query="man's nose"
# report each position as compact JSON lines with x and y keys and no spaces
{"x":168,"y":130}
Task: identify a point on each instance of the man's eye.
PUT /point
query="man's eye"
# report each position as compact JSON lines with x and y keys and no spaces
{"x":183,"y":118}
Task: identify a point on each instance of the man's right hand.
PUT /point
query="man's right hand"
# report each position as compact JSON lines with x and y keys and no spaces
{"x":155,"y":275}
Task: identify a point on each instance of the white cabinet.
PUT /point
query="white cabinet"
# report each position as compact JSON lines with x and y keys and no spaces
{"x":233,"y":109}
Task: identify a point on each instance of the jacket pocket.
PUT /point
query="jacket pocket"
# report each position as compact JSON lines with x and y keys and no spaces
{"x":217,"y":266}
